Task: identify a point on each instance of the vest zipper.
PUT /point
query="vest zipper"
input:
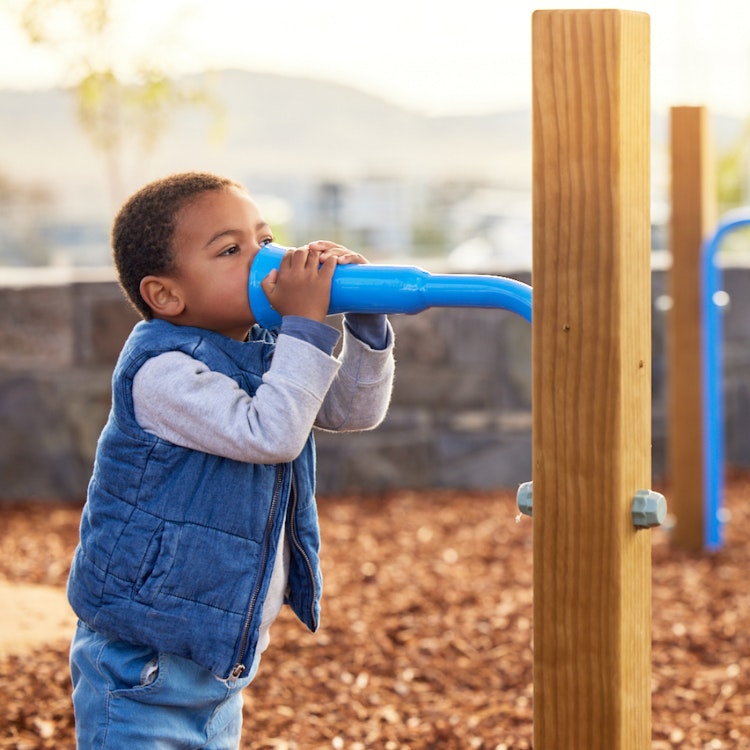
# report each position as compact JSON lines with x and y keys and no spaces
{"x":239,"y":667}
{"x":300,"y":549}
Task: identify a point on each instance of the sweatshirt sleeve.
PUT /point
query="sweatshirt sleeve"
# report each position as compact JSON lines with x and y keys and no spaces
{"x":360,"y":394}
{"x":177,"y":398}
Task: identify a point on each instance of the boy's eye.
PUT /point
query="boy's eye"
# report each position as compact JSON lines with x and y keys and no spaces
{"x":266,"y":241}
{"x":230,"y":250}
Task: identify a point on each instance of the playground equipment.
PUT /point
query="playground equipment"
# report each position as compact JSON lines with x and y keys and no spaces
{"x":373,"y":288}
{"x":693,"y":218}
{"x":713,"y":301}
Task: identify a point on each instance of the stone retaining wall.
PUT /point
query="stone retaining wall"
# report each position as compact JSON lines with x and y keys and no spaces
{"x":460,"y":417}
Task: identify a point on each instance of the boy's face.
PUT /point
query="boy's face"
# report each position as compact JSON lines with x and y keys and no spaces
{"x":216,"y":239}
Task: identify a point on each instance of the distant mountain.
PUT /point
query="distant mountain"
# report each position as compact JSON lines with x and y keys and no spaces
{"x":276,"y":126}
{"x":272,"y":126}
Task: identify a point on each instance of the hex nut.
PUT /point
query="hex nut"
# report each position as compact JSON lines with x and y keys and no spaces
{"x":524,"y":498}
{"x":649,"y":509}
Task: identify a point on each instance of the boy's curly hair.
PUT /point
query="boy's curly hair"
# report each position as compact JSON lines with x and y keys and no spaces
{"x":144,"y":228}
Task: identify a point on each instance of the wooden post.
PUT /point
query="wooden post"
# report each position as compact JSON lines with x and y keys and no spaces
{"x":591,"y":342}
{"x":694,"y":215}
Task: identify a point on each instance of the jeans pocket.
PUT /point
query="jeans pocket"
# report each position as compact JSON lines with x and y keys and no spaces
{"x":129,"y":667}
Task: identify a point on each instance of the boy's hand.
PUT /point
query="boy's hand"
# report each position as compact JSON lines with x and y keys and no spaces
{"x":331,"y":250}
{"x":302,"y":284}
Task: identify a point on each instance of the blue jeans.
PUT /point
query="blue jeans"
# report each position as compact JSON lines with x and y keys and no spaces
{"x":131,"y":696}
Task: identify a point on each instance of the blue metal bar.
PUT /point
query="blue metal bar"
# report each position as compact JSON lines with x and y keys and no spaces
{"x":394,"y":289}
{"x":712,"y":376}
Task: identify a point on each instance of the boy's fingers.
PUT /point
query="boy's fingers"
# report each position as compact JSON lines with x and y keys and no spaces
{"x":269,"y":283}
{"x":326,"y":245}
{"x":350,"y":258}
{"x":286,"y":259}
{"x":300,"y":257}
{"x":313,"y":258}
{"x":328,"y":266}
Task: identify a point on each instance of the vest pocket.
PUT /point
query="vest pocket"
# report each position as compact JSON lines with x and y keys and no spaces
{"x":156,"y":563}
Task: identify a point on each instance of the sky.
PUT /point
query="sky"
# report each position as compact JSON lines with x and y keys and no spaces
{"x":466,"y":56}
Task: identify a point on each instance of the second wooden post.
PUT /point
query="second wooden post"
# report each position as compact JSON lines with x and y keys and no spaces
{"x":694,"y":215}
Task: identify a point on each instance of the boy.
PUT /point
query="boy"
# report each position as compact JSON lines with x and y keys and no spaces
{"x":200,"y":520}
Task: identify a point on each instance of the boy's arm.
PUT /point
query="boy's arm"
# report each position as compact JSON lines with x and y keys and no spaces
{"x":180,"y":400}
{"x":359,"y":395}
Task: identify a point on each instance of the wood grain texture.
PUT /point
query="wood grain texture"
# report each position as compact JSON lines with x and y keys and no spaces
{"x":694,"y":214}
{"x":591,"y":379}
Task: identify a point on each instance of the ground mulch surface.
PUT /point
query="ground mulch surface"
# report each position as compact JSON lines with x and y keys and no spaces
{"x":427,"y":632}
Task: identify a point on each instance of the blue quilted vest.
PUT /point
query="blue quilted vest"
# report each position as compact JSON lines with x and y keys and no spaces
{"x":177,"y":546}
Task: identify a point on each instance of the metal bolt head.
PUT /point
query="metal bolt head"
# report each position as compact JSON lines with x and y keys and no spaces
{"x":649,"y":509}
{"x":524,"y":498}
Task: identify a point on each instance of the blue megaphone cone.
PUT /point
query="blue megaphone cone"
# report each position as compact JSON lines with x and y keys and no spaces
{"x":374,"y":288}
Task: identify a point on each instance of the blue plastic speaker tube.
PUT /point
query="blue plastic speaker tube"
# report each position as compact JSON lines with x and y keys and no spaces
{"x":372,"y":288}
{"x":712,"y":350}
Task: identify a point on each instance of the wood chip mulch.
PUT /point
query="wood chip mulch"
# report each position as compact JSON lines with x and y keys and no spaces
{"x":426,"y":634}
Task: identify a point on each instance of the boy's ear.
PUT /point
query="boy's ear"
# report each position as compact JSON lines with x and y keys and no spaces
{"x":162,"y":295}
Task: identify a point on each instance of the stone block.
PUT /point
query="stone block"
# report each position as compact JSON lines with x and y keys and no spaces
{"x":36,"y":328}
